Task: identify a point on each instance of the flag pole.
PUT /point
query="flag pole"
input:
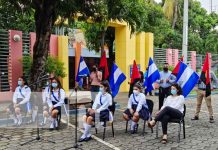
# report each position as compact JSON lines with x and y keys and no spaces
{"x":185,"y":31}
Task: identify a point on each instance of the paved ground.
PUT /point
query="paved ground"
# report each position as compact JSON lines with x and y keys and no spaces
{"x":199,"y":134}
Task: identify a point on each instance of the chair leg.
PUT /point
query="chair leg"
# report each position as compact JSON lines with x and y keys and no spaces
{"x":104,"y":130}
{"x":112,"y":126}
{"x":178,"y":138}
{"x":157,"y":124}
{"x":126,"y":126}
{"x":96,"y":130}
{"x":184,"y":129}
{"x":144,"y":129}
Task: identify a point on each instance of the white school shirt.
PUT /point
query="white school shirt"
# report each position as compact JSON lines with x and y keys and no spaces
{"x":176,"y":102}
{"x":26,"y":92}
{"x":59,"y":101}
{"x":141,"y":101}
{"x":102,"y":102}
{"x":46,"y":94}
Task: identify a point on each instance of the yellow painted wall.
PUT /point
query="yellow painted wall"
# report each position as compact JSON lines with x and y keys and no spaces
{"x":125,"y":52}
{"x":140,"y":50}
{"x":149,"y":46}
{"x":64,"y":57}
{"x":128,"y":47}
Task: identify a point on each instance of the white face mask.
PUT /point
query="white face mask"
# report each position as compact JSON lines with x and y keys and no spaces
{"x":101,"y":90}
{"x":136,"y":92}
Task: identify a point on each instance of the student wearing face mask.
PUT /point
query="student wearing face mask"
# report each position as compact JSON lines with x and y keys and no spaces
{"x":101,"y":105}
{"x":136,"y":108}
{"x":55,"y":101}
{"x":166,"y":80}
{"x":172,"y":108}
{"x":21,"y":102}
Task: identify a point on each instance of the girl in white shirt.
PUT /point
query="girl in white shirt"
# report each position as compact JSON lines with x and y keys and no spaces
{"x":172,"y":108}
{"x":21,"y":102}
{"x":55,"y":101}
{"x":137,"y":107}
{"x":102,"y":101}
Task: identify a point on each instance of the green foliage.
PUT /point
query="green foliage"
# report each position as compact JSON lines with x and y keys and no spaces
{"x":16,"y":19}
{"x":53,"y":65}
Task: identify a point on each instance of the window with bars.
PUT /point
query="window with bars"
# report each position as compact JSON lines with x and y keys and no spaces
{"x":4,"y":58}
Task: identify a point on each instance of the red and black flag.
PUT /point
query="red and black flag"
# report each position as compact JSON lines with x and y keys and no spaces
{"x":205,"y":75}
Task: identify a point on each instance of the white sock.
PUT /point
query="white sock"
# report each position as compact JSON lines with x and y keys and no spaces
{"x":44,"y":120}
{"x":19,"y":118}
{"x":87,"y":130}
{"x":133,"y":124}
{"x":14,"y":118}
{"x":34,"y":113}
{"x":84,"y":135}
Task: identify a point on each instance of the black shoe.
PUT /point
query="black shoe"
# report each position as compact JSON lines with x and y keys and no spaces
{"x":88,"y":139}
{"x":195,"y":118}
{"x":82,"y":140}
{"x":211,"y":120}
{"x":132,"y":132}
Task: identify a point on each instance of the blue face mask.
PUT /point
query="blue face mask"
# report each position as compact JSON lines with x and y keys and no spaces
{"x":101,"y":90}
{"x":54,"y":85}
{"x":173,"y":91}
{"x":20,"y":83}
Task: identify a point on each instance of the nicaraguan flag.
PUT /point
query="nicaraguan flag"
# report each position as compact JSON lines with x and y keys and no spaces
{"x":116,"y":79}
{"x":82,"y":70}
{"x":152,"y":76}
{"x":186,"y":78}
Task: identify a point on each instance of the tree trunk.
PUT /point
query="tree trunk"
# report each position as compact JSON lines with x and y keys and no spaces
{"x":44,"y":20}
{"x":102,"y":40}
{"x":175,"y":14}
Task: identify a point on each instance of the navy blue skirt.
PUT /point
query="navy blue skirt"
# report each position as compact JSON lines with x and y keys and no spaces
{"x":104,"y":115}
{"x":143,"y":113}
{"x":127,"y":112}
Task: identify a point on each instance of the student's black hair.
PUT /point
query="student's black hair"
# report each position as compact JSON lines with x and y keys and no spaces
{"x":179,"y":89}
{"x":138,"y":85}
{"x":24,"y":80}
{"x":105,"y":83}
{"x":59,"y":85}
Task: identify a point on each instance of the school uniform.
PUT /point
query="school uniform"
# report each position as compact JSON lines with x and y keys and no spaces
{"x":138,"y":104}
{"x":101,"y":105}
{"x":56,"y":99}
{"x":22,"y":97}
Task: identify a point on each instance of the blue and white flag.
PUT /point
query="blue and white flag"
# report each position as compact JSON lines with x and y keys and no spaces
{"x":152,"y":76}
{"x":83,"y":71}
{"x":186,"y":78}
{"x":116,"y":79}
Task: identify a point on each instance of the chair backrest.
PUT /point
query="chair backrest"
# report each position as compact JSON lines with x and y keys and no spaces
{"x":184,"y":112}
{"x":150,"y":104}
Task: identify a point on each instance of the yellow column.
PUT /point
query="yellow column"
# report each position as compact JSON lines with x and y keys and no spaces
{"x":140,"y":50}
{"x":125,"y":52}
{"x":63,"y":57}
{"x":149,"y":46}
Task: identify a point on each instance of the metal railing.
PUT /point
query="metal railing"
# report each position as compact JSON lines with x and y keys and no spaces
{"x":4,"y":58}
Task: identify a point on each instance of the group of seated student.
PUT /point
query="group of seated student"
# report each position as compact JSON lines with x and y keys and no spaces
{"x":137,"y":108}
{"x":53,"y":98}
